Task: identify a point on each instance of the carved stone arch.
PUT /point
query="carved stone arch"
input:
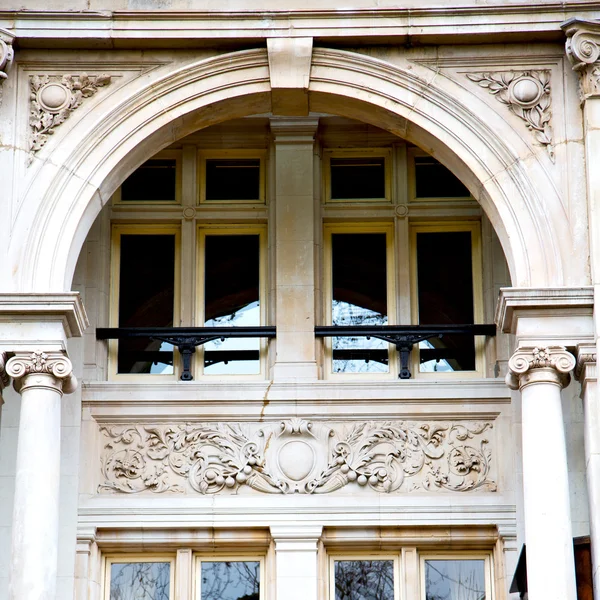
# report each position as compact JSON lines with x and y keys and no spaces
{"x":67,"y":192}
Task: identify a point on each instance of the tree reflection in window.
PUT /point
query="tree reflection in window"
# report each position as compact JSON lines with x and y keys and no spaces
{"x":230,"y":580}
{"x":364,"y":580}
{"x":455,"y":580}
{"x":140,"y":581}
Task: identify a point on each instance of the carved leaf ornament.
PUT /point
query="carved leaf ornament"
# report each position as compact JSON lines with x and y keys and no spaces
{"x":54,"y":99}
{"x":527,"y":94}
{"x":297,"y":456}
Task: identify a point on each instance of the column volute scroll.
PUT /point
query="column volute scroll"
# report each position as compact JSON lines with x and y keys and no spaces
{"x":532,"y":364}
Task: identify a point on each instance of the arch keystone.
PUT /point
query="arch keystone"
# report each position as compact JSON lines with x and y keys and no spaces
{"x":289,"y":70}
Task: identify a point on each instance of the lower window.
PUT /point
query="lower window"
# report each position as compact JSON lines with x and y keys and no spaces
{"x":364,"y":579}
{"x":229,"y":580}
{"x":456,"y":578}
{"x":139,"y":579}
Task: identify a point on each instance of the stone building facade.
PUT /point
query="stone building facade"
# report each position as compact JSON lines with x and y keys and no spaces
{"x":240,"y":180}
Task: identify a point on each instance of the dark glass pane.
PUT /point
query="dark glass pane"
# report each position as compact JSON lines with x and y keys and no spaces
{"x":154,"y":181}
{"x":232,"y":278}
{"x":356,"y":178}
{"x":237,"y":179}
{"x":139,"y":581}
{"x":230,"y":580}
{"x":445,"y":281}
{"x":434,"y":180}
{"x":359,"y":298}
{"x":146,"y":297}
{"x":455,"y":580}
{"x":364,"y":580}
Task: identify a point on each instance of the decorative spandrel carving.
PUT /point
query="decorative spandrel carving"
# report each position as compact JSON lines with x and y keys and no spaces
{"x":527,"y":95}
{"x":297,"y":456}
{"x":53,"y":99}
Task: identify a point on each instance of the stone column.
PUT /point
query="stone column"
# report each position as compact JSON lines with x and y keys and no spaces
{"x":296,"y":561}
{"x":295,"y":248}
{"x":41,"y":378}
{"x":540,"y":374}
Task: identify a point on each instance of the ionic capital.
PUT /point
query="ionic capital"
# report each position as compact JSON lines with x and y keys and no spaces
{"x":551,"y":364}
{"x":51,"y":369}
{"x":6,"y":52}
{"x":583,"y":50}
{"x":4,"y":378}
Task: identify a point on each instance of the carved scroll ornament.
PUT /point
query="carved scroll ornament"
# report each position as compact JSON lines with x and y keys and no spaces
{"x":527,"y":95}
{"x":583,"y":50}
{"x":297,"y":456}
{"x":53,"y":99}
{"x":6,"y":52}
{"x":528,"y":359}
{"x":42,"y":363}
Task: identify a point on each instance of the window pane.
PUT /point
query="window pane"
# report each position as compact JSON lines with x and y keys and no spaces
{"x":445,"y":280}
{"x":434,"y":180}
{"x":356,"y":178}
{"x":455,"y":580}
{"x":154,"y":181}
{"x":230,"y":580}
{"x":232,"y":280}
{"x":146,"y":297}
{"x":364,"y":580}
{"x":139,"y":581}
{"x":359,"y":298}
{"x":237,"y":179}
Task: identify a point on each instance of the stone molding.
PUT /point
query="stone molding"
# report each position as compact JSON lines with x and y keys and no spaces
{"x":583,"y":51}
{"x":297,"y":456}
{"x":293,"y":130}
{"x":551,"y":364}
{"x":53,"y":100}
{"x":36,"y":363}
{"x":527,"y":95}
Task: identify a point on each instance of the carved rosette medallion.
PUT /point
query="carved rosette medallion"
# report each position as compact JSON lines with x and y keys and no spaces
{"x":53,"y":99}
{"x":39,"y":362}
{"x":527,"y":95}
{"x":297,"y":456}
{"x":583,"y":50}
{"x":555,"y":360}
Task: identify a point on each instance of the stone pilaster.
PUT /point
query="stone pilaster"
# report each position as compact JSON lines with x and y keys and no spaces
{"x":41,"y":378}
{"x":540,"y":373}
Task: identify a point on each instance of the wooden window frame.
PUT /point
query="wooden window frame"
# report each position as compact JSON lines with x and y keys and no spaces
{"x":119,"y":230}
{"x":411,"y":154}
{"x":474,"y":228}
{"x":385,"y":153}
{"x":367,"y":556}
{"x":388,"y":230}
{"x":204,"y":155}
{"x":201,"y":234}
{"x":199,"y":558}
{"x":487,"y":557}
{"x":124,"y":558}
{"x":163,"y":155}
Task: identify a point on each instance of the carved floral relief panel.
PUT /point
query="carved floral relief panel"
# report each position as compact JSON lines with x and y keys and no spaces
{"x":298,"y":456}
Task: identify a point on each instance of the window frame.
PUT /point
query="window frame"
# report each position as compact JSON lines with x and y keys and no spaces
{"x":114,"y":558}
{"x":162,"y":155}
{"x":328,"y":230}
{"x":202,"y":230}
{"x":385,"y":153}
{"x":487,"y":557}
{"x":117,"y":231}
{"x":200,"y":557}
{"x":474,"y":228}
{"x":411,"y":154}
{"x":364,"y":555}
{"x":231,"y":154}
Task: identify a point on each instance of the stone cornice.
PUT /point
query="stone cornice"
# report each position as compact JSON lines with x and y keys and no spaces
{"x":423,"y":24}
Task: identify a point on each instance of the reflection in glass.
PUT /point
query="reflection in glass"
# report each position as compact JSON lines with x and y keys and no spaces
{"x":154,"y":181}
{"x":357,"y":178}
{"x":226,"y":580}
{"x":445,"y":295}
{"x":359,"y":298}
{"x":139,"y":581}
{"x":146,"y":298}
{"x":237,"y":179}
{"x":364,"y":580}
{"x":434,"y":180}
{"x":232,"y":277}
{"x":455,"y":580}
